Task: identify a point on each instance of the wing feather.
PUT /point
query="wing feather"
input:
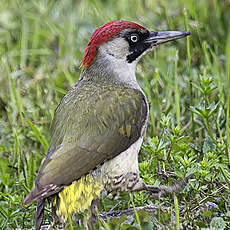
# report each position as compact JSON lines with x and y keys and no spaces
{"x":93,"y":123}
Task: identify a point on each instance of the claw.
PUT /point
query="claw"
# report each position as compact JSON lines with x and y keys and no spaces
{"x":157,"y":191}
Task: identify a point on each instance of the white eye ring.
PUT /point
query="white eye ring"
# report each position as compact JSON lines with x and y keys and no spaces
{"x":134,"y":38}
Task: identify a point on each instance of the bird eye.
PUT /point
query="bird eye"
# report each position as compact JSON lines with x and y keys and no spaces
{"x":134,"y":38}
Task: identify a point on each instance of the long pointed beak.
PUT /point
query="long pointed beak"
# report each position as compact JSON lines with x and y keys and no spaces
{"x":157,"y":38}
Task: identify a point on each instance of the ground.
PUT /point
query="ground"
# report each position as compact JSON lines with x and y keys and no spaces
{"x":187,"y":83}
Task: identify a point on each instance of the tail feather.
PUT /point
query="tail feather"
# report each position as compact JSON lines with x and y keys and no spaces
{"x":38,"y":194}
{"x":30,"y":197}
{"x":39,"y":214}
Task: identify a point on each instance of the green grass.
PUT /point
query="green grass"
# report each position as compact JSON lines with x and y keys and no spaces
{"x":188,"y":87}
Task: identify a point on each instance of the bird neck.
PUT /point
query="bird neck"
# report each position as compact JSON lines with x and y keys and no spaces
{"x":115,"y":70}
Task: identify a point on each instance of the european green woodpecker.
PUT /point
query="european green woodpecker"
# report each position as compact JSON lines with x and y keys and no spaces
{"x":99,"y":125}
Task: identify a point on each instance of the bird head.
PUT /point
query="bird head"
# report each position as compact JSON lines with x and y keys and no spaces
{"x":125,"y":42}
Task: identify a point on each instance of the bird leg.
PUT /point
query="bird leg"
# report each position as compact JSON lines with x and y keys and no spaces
{"x":56,"y":220}
{"x":93,"y":213}
{"x":157,"y":191}
{"x":39,"y":216}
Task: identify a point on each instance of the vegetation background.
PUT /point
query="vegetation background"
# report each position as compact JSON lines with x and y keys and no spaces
{"x":187,"y":83}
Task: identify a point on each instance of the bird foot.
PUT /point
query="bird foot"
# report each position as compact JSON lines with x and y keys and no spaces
{"x":157,"y":191}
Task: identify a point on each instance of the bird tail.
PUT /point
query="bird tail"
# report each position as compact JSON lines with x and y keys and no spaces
{"x":30,"y":197}
{"x":39,"y":214}
{"x":41,"y":193}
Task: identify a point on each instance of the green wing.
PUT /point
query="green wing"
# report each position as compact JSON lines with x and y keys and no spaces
{"x":93,"y":123}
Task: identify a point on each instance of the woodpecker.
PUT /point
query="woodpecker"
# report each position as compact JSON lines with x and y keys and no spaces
{"x":99,"y":125}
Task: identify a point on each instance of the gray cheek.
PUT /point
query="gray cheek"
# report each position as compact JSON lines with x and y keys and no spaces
{"x":118,"y":48}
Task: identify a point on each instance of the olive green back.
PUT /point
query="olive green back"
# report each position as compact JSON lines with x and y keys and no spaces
{"x":93,"y":123}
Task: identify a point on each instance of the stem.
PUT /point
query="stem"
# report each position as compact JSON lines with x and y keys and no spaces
{"x":135,"y":211}
{"x":189,"y":69}
{"x":227,"y":130}
{"x":227,"y":93}
{"x":177,"y":93}
{"x":177,"y":212}
{"x":209,"y":130}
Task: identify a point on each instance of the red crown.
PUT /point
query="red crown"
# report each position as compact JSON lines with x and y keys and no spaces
{"x":103,"y":34}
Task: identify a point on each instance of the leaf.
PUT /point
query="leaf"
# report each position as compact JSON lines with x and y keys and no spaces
{"x":4,"y":171}
{"x":225,"y":175}
{"x":128,"y":227}
{"x":217,"y":223}
{"x":208,"y":145}
{"x":39,"y":135}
